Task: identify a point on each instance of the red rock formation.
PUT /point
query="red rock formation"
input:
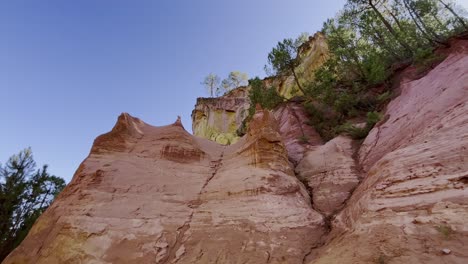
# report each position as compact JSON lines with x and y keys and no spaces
{"x":295,"y":133}
{"x":413,"y":201}
{"x":159,"y":195}
{"x":331,"y":173}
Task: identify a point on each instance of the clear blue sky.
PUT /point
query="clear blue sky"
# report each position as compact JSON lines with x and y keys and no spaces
{"x":68,"y":68}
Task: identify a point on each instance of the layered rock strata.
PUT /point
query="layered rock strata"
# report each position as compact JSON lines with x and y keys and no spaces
{"x":331,"y":173}
{"x":160,"y":195}
{"x":219,"y":119}
{"x":412,"y":205}
{"x":150,"y":194}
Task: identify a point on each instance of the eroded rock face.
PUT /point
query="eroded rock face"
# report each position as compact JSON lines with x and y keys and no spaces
{"x":160,"y":195}
{"x":331,"y":173}
{"x":219,"y":119}
{"x":297,"y":136}
{"x":313,"y":54}
{"x":413,"y":201}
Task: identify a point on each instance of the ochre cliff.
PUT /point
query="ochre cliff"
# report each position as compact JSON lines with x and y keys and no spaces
{"x":160,"y":195}
{"x":412,"y":203}
{"x":150,"y":194}
{"x":219,"y":119}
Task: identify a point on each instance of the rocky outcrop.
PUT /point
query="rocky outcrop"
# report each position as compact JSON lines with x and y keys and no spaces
{"x":331,"y":173}
{"x":150,"y":194}
{"x":412,"y":205}
{"x":220,"y":119}
{"x":297,"y":136}
{"x":312,"y":54}
{"x":160,"y":195}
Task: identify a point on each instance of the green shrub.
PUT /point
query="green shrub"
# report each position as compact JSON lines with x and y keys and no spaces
{"x":422,"y":54}
{"x":424,"y":59}
{"x":372,"y":119}
{"x":324,"y":125}
{"x":353,"y":131}
{"x":375,"y":71}
{"x":360,"y":132}
{"x":345,"y":103}
{"x":268,"y":98}
{"x":384,"y":97}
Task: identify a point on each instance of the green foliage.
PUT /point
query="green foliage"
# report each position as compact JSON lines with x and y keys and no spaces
{"x":324,"y":123}
{"x":357,"y":132}
{"x":25,"y":193}
{"x":268,"y":98}
{"x":372,"y":119}
{"x":422,"y":54}
{"x":284,"y":58}
{"x":384,"y":97}
{"x":425,"y":58}
{"x":235,"y":79}
{"x":375,"y":71}
{"x":211,"y":84}
{"x":365,"y":39}
{"x":215,"y":87}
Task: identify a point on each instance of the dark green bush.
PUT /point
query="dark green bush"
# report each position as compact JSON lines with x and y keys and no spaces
{"x":268,"y":98}
{"x":375,"y":70}
{"x":356,"y":132}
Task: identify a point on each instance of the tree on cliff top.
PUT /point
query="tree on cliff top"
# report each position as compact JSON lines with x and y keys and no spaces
{"x":211,"y":83}
{"x":284,"y":59}
{"x":215,"y":87}
{"x":234,"y":80}
{"x":25,"y":193}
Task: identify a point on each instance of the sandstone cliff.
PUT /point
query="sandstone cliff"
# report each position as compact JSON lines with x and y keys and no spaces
{"x":150,"y":194}
{"x":219,"y":119}
{"x":412,"y":204}
{"x":160,"y":195}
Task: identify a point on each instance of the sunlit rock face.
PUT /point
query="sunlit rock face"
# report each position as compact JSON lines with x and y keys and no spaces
{"x":279,"y":194}
{"x":313,"y":54}
{"x":218,"y":119}
{"x":413,"y":201}
{"x":160,"y":195}
{"x":221,"y":119}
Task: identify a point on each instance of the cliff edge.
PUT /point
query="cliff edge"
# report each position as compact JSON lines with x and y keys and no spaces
{"x":150,"y":194}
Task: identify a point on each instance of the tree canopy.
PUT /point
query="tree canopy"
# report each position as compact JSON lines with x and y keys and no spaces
{"x":25,"y":193}
{"x":216,"y":87}
{"x":235,"y":79}
{"x":283,"y":59}
{"x":211,"y":84}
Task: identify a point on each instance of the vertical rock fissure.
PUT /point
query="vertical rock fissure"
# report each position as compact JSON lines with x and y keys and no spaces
{"x":174,"y":254}
{"x":373,"y":145}
{"x":297,"y":118}
{"x":328,"y":219}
